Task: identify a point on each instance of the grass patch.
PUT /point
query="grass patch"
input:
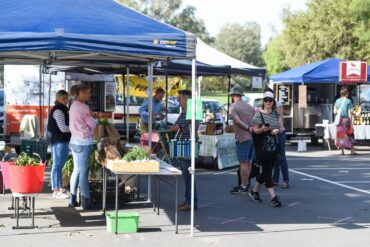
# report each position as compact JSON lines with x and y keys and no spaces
{"x":221,"y":97}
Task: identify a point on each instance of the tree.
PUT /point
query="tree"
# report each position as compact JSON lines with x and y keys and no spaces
{"x":325,"y":30}
{"x":172,"y":12}
{"x":274,"y":56}
{"x":242,"y":42}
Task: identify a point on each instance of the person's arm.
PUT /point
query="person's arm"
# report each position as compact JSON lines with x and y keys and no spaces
{"x":143,"y":110}
{"x":237,"y":120}
{"x":350,"y":106}
{"x":60,"y":120}
{"x":257,"y":121}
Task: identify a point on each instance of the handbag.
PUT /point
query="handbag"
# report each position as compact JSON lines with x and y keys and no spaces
{"x":337,"y":116}
{"x":265,"y":144}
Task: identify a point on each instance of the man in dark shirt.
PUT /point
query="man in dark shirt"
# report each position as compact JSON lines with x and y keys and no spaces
{"x":183,"y":126}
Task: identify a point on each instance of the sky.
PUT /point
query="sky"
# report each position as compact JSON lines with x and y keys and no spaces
{"x":267,"y":13}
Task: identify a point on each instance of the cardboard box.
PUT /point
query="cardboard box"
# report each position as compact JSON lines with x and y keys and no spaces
{"x":211,"y":129}
{"x":99,"y":132}
{"x":148,"y":166}
{"x":229,"y":129}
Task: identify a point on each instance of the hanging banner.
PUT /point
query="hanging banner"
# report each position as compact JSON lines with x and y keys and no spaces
{"x":302,"y":96}
{"x":284,"y":94}
{"x":139,"y":86}
{"x":353,"y":72}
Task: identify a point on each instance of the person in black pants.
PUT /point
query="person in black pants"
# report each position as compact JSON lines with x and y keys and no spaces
{"x":266,"y":130}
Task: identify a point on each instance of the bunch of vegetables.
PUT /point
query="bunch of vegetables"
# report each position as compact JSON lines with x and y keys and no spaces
{"x":26,"y":160}
{"x":136,"y":153}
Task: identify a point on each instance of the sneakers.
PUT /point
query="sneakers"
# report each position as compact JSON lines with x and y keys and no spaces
{"x":255,"y":196}
{"x":275,"y":202}
{"x":239,"y":190}
{"x":59,"y":194}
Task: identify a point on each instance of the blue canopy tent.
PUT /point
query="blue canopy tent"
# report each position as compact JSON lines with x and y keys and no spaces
{"x":91,"y":32}
{"x":326,"y":71}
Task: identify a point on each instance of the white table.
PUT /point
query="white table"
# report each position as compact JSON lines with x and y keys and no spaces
{"x":221,"y":147}
{"x":165,"y":171}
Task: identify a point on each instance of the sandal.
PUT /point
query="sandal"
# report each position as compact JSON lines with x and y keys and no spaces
{"x":285,"y":185}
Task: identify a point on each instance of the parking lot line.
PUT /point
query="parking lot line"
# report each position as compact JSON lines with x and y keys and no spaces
{"x":331,"y":168}
{"x":330,"y":182}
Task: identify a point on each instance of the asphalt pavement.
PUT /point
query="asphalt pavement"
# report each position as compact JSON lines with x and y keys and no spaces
{"x":327,"y":204}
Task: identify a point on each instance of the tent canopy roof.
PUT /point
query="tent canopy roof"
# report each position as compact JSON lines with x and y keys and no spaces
{"x":326,"y":71}
{"x":85,"y":30}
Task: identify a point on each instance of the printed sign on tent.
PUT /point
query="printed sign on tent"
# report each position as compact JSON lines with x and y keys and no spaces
{"x":353,"y":72}
{"x":139,"y":86}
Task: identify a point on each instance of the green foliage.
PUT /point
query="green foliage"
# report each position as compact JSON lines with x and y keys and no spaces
{"x":242,"y":42}
{"x":172,"y":12}
{"x":68,"y":166}
{"x":331,"y":28}
{"x":26,"y":160}
{"x":136,"y":153}
{"x":274,"y":56}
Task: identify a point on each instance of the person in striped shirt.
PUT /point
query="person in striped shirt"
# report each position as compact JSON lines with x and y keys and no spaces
{"x":58,"y":127}
{"x":183,"y":126}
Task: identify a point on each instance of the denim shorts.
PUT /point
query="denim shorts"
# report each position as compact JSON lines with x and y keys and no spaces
{"x":244,"y":150}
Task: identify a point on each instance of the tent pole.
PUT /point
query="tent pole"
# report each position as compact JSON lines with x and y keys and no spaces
{"x":124,"y":100}
{"x":192,"y":170}
{"x":40,"y":106}
{"x":150,"y":119}
{"x":167,"y":92}
{"x":228,"y":97}
{"x":128,"y":103}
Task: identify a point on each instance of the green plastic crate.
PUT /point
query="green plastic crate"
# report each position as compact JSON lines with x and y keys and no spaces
{"x":128,"y":222}
{"x":35,"y":146}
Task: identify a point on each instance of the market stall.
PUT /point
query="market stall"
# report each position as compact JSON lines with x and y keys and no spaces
{"x":116,"y":37}
{"x":314,"y":88}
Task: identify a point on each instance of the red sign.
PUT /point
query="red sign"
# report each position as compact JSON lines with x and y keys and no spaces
{"x":353,"y":72}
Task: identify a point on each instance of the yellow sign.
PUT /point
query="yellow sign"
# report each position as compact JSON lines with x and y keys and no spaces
{"x":138,"y":87}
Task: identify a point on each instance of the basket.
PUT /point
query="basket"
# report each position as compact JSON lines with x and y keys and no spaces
{"x":128,"y":222}
{"x":26,"y":179}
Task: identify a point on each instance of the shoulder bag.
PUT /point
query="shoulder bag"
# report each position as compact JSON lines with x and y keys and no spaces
{"x":337,"y":116}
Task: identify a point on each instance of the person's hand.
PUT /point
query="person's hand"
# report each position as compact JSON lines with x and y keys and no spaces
{"x":275,"y":132}
{"x":92,"y":114}
{"x":265,"y":128}
{"x":174,"y":127}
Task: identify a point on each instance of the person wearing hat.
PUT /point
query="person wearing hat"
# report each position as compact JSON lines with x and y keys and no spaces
{"x":242,"y":114}
{"x":266,"y":128}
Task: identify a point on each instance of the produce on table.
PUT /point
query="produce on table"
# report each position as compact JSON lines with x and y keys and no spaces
{"x":136,"y":153}
{"x":26,"y":160}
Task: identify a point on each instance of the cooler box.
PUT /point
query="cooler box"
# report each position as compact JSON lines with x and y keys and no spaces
{"x":128,"y":222}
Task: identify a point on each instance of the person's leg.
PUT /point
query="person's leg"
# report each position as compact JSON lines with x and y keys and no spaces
{"x":63,"y":159}
{"x":187,"y":180}
{"x":268,"y":166}
{"x":245,"y":169}
{"x":74,"y":181}
{"x":83,"y":163}
{"x":276,"y":171}
{"x":282,"y":158}
{"x":54,"y":173}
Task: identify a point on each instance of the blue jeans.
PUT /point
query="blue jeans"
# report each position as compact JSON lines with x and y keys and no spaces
{"x":80,"y":169}
{"x":59,"y":152}
{"x":281,"y":162}
{"x":187,"y":179}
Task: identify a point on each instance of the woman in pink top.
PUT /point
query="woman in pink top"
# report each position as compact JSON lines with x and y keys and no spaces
{"x":81,"y":124}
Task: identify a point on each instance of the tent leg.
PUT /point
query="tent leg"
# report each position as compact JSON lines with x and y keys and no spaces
{"x":150,"y":118}
{"x":193,"y":88}
{"x":228,"y":98}
{"x":128,"y":103}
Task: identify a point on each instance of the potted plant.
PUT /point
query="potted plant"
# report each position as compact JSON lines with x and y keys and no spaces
{"x":27,"y":174}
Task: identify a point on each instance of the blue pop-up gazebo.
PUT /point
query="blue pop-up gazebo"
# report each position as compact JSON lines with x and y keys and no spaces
{"x":92,"y":32}
{"x":325,"y":71}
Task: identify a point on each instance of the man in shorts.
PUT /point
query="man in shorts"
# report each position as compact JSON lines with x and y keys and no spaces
{"x":242,"y":114}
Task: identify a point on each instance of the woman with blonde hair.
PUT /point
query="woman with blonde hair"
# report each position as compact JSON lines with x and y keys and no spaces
{"x":58,"y":126}
{"x":82,"y":124}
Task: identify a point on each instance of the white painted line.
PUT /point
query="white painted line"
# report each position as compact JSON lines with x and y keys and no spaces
{"x":331,"y":168}
{"x":353,"y":182}
{"x":229,"y":171}
{"x":307,"y":179}
{"x":343,"y":171}
{"x":331,"y":182}
{"x":205,"y":205}
{"x":233,"y":220}
{"x":293,"y":204}
{"x":345,"y":219}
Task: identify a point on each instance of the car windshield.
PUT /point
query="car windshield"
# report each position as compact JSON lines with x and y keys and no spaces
{"x":258,"y":103}
{"x":133,"y":100}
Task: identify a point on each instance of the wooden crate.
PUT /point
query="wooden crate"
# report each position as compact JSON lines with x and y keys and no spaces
{"x":133,"y":166}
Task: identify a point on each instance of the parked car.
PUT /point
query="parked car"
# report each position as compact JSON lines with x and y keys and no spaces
{"x":118,"y":115}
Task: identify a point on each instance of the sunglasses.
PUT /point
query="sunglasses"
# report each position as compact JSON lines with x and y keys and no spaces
{"x":268,"y":100}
